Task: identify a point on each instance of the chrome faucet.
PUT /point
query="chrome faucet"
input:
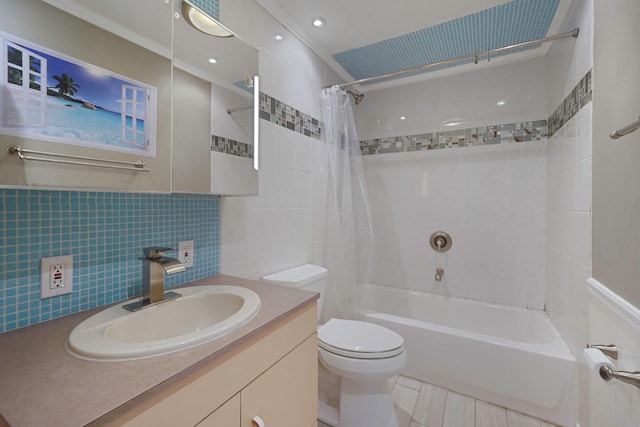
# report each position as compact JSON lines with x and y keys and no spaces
{"x":154,"y":267}
{"x":439,"y":274}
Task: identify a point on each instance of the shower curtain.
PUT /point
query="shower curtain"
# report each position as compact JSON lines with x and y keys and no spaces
{"x":343,"y":235}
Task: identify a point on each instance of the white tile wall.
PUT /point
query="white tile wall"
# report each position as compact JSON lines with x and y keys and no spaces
{"x":569,"y":233}
{"x":266,"y":233}
{"x":489,"y":199}
{"x":569,"y":196}
{"x":569,"y":186}
{"x":273,"y":231}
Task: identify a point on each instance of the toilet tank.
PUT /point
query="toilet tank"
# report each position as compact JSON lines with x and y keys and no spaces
{"x":309,"y":277}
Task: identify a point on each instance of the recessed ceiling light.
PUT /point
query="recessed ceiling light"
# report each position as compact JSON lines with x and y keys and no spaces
{"x":501,"y":102}
{"x":318,"y":21}
{"x":403,"y":118}
{"x":277,"y":37}
{"x":212,"y":60}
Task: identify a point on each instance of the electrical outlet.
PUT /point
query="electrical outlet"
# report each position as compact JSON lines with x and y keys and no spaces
{"x":56,"y":276}
{"x":186,"y":253}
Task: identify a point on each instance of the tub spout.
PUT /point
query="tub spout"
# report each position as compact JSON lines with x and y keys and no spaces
{"x":439,"y":274}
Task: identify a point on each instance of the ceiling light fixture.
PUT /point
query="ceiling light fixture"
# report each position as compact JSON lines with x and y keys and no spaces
{"x":203,"y":22}
{"x":277,"y":37}
{"x":403,"y":118}
{"x":212,"y":60}
{"x":501,"y":102}
{"x":318,"y":21}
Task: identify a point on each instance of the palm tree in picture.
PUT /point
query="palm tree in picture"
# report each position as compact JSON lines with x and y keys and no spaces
{"x":66,"y":86}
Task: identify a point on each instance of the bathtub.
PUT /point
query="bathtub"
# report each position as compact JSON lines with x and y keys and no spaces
{"x":512,"y":357}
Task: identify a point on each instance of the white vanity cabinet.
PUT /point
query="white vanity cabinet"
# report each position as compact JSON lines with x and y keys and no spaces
{"x":272,"y":376}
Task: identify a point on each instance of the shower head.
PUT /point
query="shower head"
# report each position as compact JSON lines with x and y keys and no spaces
{"x":357,"y":97}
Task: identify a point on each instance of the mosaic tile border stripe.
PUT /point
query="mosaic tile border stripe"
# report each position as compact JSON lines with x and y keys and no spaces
{"x":232,"y":147}
{"x":275,"y":111}
{"x":485,"y":135}
{"x":579,"y":97}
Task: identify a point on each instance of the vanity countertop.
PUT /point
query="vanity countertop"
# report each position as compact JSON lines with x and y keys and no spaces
{"x":43,"y":385}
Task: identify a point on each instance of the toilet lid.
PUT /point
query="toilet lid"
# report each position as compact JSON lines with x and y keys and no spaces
{"x":359,"y":340}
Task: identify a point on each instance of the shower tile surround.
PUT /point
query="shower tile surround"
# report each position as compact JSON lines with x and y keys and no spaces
{"x":105,"y":232}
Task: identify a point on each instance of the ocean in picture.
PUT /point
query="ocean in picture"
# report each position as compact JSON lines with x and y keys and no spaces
{"x":70,"y":121}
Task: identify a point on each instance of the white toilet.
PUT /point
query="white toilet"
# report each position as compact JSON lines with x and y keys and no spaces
{"x":363,"y":355}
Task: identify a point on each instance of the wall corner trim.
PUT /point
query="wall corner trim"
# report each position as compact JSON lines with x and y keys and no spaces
{"x":618,"y":305}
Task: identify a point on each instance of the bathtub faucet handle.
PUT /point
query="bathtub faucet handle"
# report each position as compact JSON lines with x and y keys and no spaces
{"x":439,"y":274}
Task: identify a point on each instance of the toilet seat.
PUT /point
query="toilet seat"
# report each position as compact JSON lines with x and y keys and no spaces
{"x":359,"y":340}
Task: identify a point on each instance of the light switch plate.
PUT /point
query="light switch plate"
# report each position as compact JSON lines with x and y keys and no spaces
{"x":56,"y":276}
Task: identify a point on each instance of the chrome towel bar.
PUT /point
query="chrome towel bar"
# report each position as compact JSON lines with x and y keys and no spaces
{"x":23,"y":154}
{"x":625,"y":130}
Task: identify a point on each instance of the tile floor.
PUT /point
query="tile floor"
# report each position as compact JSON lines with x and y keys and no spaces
{"x":420,"y":404}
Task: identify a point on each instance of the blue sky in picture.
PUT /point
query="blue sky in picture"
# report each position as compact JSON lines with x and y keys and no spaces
{"x":95,"y":85}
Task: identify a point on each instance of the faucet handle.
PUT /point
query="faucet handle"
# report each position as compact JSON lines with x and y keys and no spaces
{"x":155,"y":252}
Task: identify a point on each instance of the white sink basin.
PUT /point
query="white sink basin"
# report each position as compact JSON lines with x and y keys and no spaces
{"x":201,"y":314}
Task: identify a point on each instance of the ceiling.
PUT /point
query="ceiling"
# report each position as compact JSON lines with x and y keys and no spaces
{"x":364,"y":38}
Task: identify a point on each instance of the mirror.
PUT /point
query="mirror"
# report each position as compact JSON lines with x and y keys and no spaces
{"x":200,"y":105}
{"x":82,"y":102}
{"x":219,"y":149}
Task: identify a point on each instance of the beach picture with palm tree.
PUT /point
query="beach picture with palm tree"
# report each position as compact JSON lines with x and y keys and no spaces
{"x":49,"y":96}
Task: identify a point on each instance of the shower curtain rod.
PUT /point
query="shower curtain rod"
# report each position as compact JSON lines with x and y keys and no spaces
{"x":474,"y":56}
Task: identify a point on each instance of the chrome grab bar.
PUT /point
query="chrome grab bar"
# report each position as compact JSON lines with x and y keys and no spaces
{"x":625,"y":130}
{"x":22,"y":153}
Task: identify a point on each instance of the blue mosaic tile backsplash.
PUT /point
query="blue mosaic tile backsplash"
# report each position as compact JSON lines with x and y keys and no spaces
{"x":105,"y":232}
